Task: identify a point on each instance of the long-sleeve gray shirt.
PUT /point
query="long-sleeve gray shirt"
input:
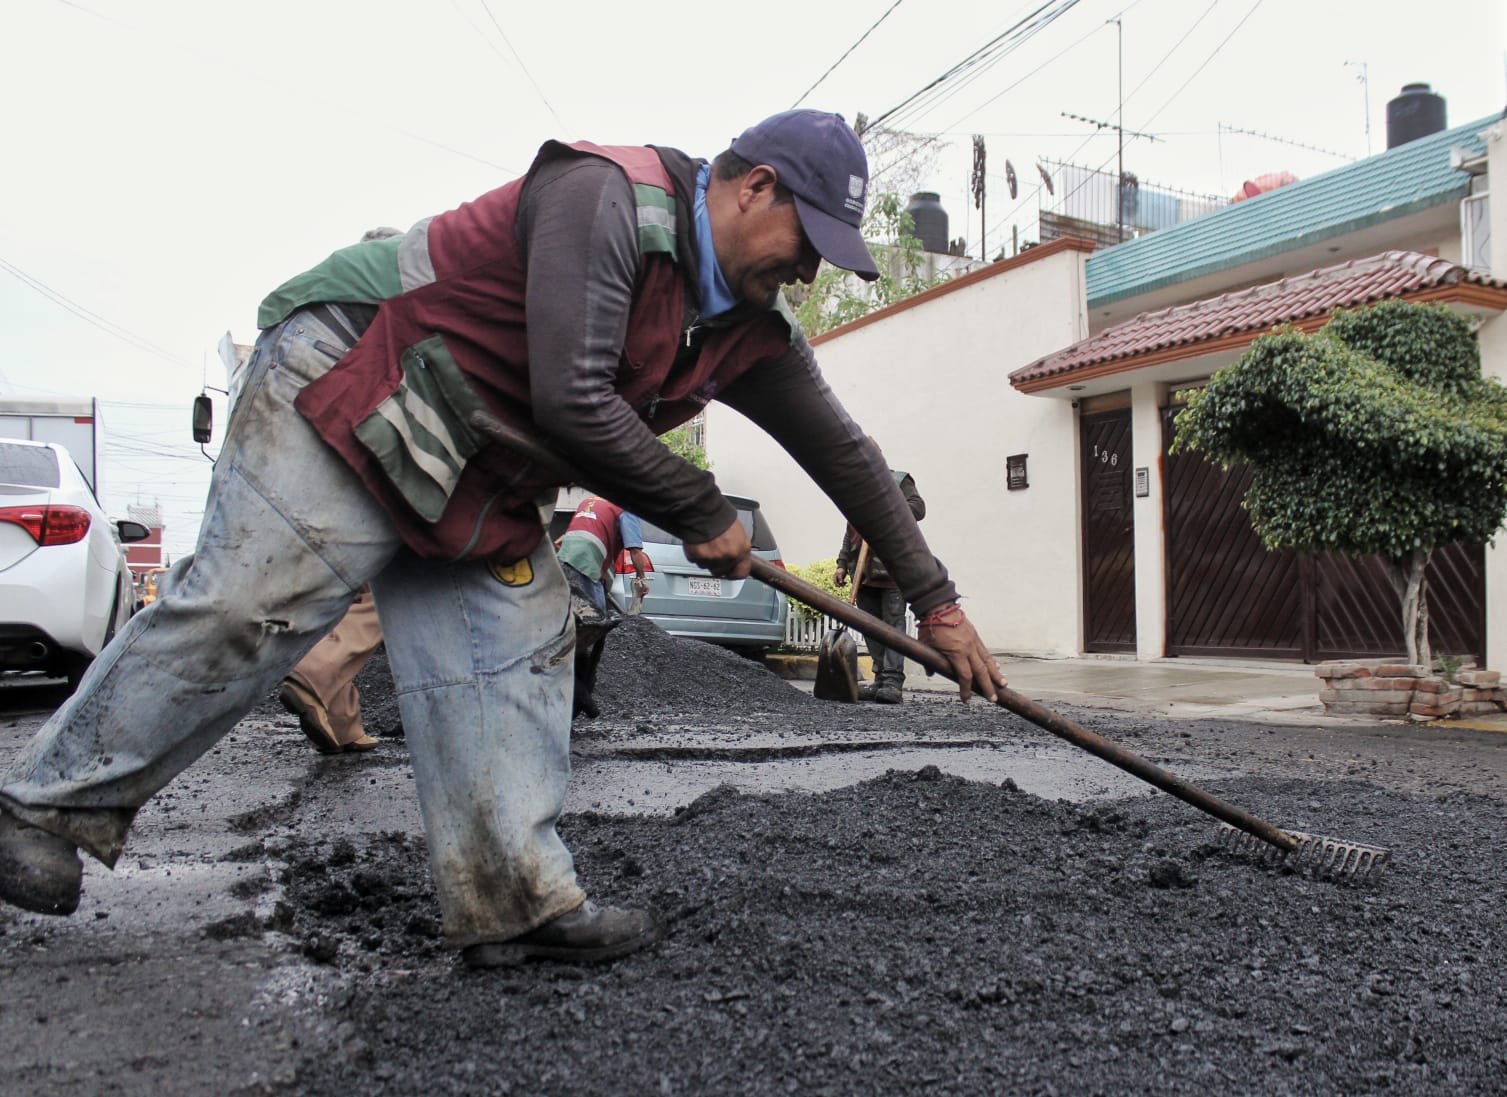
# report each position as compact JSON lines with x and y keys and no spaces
{"x":577,"y":226}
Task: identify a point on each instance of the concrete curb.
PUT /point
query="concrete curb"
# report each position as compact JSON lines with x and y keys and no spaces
{"x":802,"y":668}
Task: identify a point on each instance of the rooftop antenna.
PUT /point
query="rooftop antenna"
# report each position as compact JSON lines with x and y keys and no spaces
{"x":1365,"y":86}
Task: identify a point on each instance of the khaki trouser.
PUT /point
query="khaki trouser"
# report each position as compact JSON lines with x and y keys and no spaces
{"x":329,"y":669}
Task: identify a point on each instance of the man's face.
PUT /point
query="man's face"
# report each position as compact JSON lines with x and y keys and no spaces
{"x":769,"y":248}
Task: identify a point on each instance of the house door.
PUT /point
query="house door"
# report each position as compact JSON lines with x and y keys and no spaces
{"x":1108,"y":532}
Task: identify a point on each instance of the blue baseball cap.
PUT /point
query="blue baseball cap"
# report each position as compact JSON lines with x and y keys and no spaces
{"x":820,"y":160}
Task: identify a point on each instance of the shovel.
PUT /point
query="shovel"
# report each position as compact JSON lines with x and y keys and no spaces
{"x":837,"y":654}
{"x":1242,"y":832}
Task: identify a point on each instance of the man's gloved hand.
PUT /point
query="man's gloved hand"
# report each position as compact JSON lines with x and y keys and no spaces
{"x":949,"y":631}
{"x":840,"y":576}
{"x":726,"y":555}
{"x":641,"y":587}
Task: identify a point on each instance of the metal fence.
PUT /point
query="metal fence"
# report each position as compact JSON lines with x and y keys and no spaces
{"x":1091,"y":197}
{"x":804,"y":634}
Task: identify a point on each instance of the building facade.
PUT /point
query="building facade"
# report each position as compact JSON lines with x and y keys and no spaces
{"x":1032,"y":402}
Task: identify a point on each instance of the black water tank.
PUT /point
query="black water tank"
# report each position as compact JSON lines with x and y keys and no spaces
{"x":1415,"y":113}
{"x":925,"y":209}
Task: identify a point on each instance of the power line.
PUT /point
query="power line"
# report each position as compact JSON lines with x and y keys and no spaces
{"x":1011,"y":87}
{"x":1153,"y":70}
{"x":487,"y":7}
{"x":1224,"y":42}
{"x":941,"y":97}
{"x":847,"y":51}
{"x":986,"y":52}
{"x":1183,"y":86}
{"x":109,"y":327}
{"x":157,"y":37}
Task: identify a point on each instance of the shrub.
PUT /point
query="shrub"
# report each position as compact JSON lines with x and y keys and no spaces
{"x":819,"y":574}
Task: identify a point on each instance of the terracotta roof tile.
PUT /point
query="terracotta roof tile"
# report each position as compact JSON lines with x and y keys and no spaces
{"x":1256,"y":310}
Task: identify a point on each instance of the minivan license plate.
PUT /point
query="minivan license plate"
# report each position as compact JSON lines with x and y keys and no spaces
{"x":712,"y":587}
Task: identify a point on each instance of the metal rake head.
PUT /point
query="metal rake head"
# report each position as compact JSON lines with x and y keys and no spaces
{"x":1316,"y":853}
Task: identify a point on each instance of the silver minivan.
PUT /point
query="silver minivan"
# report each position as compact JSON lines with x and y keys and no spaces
{"x":689,"y":601}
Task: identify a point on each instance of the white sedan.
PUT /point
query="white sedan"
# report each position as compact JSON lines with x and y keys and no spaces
{"x":64,"y":585}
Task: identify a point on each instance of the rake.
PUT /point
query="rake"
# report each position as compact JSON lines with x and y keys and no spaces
{"x":1242,"y":833}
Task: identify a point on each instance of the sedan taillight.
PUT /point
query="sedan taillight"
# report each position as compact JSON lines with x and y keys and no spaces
{"x":49,"y":525}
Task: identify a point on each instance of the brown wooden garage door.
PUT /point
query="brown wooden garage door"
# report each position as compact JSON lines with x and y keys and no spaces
{"x":1226,"y":595}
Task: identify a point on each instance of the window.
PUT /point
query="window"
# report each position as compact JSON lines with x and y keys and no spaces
{"x":1475,"y":227}
{"x":33,"y":466}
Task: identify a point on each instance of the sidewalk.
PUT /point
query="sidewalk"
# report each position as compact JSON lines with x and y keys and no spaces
{"x":1186,"y":688}
{"x":1264,"y":691}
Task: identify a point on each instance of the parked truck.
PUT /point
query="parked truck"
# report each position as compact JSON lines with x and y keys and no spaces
{"x":73,"y":424}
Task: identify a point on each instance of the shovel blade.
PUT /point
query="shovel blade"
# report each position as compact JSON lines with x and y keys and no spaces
{"x":836,"y":668}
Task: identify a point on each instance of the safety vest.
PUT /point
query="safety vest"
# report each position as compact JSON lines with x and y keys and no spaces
{"x":451,"y":338}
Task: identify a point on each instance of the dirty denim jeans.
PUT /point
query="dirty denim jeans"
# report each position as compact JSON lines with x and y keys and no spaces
{"x":888,"y":604}
{"x":482,"y":657}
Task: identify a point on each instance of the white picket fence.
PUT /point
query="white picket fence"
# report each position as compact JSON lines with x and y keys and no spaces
{"x":804,"y":634}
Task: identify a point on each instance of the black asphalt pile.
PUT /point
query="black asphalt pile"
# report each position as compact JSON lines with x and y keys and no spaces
{"x":924,"y":933}
{"x":379,"y":698}
{"x":646,"y":672}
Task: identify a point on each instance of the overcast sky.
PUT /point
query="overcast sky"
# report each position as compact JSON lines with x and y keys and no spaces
{"x":167,"y":162}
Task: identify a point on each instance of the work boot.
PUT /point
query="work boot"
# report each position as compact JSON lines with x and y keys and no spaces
{"x":38,"y":870}
{"x":587,"y":935}
{"x":314,"y":720}
{"x":866,"y":691}
{"x":887,"y":695}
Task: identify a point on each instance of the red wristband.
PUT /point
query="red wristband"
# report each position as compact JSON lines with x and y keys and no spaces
{"x":948,"y":616}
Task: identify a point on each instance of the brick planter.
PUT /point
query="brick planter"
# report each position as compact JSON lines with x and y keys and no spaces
{"x":1375,"y":688}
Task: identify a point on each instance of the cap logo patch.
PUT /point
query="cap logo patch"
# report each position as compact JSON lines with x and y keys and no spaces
{"x":855,"y":186}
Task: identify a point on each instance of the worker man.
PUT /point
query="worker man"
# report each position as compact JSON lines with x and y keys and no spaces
{"x":878,"y":594}
{"x":321,"y":689}
{"x":599,"y":532}
{"x":597,"y":301}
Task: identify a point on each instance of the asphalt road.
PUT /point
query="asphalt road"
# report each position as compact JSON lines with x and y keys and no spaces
{"x":836,"y":920}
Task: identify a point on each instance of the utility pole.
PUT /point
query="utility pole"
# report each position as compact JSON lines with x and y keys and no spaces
{"x":1119,"y":127}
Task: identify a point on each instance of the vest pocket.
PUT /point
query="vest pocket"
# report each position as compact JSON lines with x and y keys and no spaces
{"x":421,"y":434}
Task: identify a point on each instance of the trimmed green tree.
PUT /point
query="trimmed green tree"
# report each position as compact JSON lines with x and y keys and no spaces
{"x":1376,"y":434}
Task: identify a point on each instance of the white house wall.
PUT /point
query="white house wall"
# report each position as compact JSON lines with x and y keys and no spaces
{"x":929,"y":382}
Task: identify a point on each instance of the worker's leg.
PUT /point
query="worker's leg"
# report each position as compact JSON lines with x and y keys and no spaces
{"x":589,"y":589}
{"x":328,"y":673}
{"x":890,"y":670}
{"x":482,"y":657}
{"x":288,"y":535}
